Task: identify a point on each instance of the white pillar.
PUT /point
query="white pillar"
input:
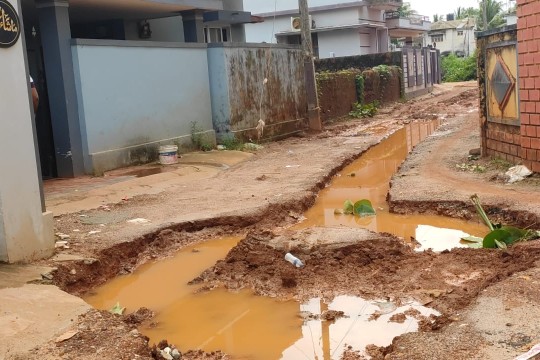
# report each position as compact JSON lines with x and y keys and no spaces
{"x":26,"y":232}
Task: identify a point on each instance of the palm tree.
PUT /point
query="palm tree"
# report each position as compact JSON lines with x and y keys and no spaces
{"x":464,"y":13}
{"x":406,"y":11}
{"x":490,"y":14}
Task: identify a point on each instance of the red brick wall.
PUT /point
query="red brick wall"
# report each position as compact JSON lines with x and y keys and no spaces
{"x":503,"y":141}
{"x":528,"y":12}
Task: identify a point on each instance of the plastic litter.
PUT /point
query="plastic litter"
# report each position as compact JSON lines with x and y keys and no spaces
{"x":530,"y":354}
{"x":517,"y":173}
{"x":294,"y":260}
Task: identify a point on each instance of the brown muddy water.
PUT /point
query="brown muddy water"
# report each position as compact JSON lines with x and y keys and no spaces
{"x":369,"y":178}
{"x":253,"y":327}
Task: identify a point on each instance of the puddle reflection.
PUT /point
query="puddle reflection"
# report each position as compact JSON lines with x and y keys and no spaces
{"x":358,"y":328}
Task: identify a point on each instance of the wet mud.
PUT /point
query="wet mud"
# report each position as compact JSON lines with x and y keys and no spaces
{"x":359,"y":263}
{"x":373,"y":269}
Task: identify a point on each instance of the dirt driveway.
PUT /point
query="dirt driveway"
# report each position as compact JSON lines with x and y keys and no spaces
{"x":478,"y":292}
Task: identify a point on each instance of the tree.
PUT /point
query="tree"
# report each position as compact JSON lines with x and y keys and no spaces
{"x":464,"y":13}
{"x":491,"y":14}
{"x":406,"y":11}
{"x":436,"y":18}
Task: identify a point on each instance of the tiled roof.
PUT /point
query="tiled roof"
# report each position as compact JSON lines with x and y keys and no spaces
{"x":453,"y":24}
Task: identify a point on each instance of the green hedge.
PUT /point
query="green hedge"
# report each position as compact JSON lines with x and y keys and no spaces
{"x":458,"y":69}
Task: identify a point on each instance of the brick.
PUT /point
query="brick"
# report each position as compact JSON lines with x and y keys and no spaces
{"x":524,"y":71}
{"x":505,"y":148}
{"x":531,"y":21}
{"x":531,"y":154}
{"x":514,"y":150}
{"x":523,"y":153}
{"x":535,"y":143}
{"x":527,"y":163}
{"x":529,"y":83}
{"x":534,"y":95}
{"x":509,"y":138}
{"x":530,"y":107}
{"x":522,"y":47}
{"x":532,"y":46}
{"x":534,"y":119}
{"x":537,"y":107}
{"x":523,"y":93}
{"x":530,"y":131}
{"x":526,"y":10}
{"x":535,"y":166}
{"x":516,"y":139}
{"x":522,"y":22}
{"x":533,"y":70}
{"x":525,"y":142}
{"x":525,"y":119}
{"x":535,"y":7}
{"x":529,"y":59}
{"x":537,"y":83}
{"x":536,"y":55}
{"x":537,"y":154}
{"x":521,"y":59}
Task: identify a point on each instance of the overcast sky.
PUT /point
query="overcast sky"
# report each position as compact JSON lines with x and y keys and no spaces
{"x":441,"y":7}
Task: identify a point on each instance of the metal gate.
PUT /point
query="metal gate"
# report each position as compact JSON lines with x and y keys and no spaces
{"x":502,"y":95}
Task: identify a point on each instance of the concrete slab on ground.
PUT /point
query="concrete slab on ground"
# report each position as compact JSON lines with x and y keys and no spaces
{"x":33,"y":314}
{"x":12,"y":276}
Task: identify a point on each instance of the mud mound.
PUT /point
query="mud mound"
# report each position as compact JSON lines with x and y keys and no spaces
{"x":376,"y":268}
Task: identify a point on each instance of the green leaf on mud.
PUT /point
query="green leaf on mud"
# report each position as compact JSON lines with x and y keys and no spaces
{"x":348,"y":207}
{"x":364,"y":208}
{"x":117,"y":309}
{"x":472,"y":239}
{"x":501,"y":245}
{"x":516,"y":234}
{"x":499,"y":234}
{"x":475,"y":245}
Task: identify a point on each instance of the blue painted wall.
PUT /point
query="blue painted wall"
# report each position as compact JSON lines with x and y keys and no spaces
{"x":135,"y":96}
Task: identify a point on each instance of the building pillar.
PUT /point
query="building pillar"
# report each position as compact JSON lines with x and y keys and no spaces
{"x":193,"y":26}
{"x":56,"y":42}
{"x":26,"y":232}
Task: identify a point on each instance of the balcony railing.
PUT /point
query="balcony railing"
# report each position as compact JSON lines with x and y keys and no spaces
{"x":413,"y":18}
{"x":385,"y":4}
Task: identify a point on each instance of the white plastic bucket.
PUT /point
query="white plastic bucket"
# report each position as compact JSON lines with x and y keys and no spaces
{"x":168,"y":154}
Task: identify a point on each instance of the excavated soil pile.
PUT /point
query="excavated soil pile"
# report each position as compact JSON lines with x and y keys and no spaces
{"x":373,"y":268}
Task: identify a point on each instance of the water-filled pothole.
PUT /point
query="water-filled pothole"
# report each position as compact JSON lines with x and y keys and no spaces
{"x":369,"y":178}
{"x":248,"y":326}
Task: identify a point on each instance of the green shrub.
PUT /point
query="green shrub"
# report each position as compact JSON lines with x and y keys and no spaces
{"x":458,"y":69}
{"x":364,"y":110}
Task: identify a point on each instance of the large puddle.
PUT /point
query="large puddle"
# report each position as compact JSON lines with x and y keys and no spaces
{"x":252,"y":327}
{"x":369,"y":178}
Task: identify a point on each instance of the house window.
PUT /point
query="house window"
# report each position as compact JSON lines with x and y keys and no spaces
{"x":217,"y":35}
{"x":437,"y":38}
{"x":460,"y":33}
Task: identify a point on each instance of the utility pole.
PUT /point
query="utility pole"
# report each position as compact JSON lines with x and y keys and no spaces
{"x":314,"y":115}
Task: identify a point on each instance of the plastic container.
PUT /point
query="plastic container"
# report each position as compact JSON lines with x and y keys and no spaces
{"x":294,"y":260}
{"x":168,"y":154}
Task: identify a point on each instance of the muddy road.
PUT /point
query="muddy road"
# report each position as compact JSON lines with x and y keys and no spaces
{"x":476,"y":292}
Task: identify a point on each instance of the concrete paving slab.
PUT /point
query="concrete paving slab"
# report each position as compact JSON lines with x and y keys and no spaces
{"x":19,"y":275}
{"x":33,"y":314}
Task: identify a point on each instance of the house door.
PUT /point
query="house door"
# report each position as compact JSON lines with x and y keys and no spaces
{"x":43,"y":115}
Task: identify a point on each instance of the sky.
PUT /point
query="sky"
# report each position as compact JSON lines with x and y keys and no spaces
{"x":441,"y":7}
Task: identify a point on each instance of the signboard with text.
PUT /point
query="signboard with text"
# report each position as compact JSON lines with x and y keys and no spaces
{"x":10,"y":25}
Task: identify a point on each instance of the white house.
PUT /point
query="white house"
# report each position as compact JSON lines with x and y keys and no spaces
{"x":456,"y":36}
{"x":339,"y":27}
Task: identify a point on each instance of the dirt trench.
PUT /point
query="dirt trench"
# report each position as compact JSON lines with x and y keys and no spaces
{"x":361,"y":263}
